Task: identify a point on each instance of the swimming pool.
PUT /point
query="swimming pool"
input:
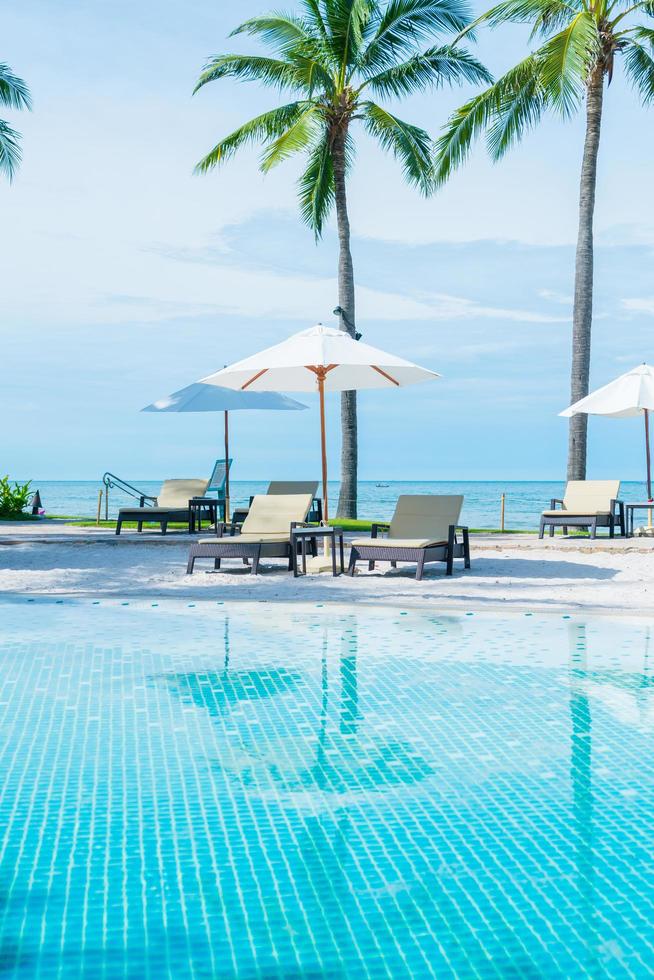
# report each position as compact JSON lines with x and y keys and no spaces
{"x":197,"y":790}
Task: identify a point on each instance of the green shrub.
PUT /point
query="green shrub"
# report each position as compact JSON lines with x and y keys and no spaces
{"x":13,"y":499}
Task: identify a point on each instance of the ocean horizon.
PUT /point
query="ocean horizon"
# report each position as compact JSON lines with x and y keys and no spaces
{"x":524,"y":499}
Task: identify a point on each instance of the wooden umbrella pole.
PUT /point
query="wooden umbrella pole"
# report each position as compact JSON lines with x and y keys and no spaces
{"x":649,"y":460}
{"x":320,"y":373}
{"x":226,"y":466}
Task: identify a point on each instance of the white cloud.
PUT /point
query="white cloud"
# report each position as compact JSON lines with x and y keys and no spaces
{"x":79,"y":280}
{"x":632,"y":233}
{"x":643,"y":304}
{"x":456,"y":308}
{"x":555,"y":297}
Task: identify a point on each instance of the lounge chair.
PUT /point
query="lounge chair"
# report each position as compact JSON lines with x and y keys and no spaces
{"x":586,"y":503}
{"x":266,"y":532}
{"x":424,"y":528}
{"x":285,"y":487}
{"x":171,"y":505}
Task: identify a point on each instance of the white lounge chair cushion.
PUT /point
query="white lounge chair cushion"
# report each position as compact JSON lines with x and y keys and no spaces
{"x":151,"y":513}
{"x":248,"y":539}
{"x":424,"y":517}
{"x":177,"y":493}
{"x":274,"y":514}
{"x":397,"y":543}
{"x":575,"y":513}
{"x":587,"y":498}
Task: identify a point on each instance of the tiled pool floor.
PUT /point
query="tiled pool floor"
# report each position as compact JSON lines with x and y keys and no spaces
{"x":276,"y":791}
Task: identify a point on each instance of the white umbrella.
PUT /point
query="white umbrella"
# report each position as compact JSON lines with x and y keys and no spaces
{"x":200,"y":397}
{"x":320,"y":359}
{"x":629,"y":395}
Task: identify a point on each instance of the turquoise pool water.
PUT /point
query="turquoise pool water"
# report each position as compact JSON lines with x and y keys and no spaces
{"x":280,"y":791}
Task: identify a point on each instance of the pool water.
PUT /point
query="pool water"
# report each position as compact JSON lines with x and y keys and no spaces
{"x":277,"y":791}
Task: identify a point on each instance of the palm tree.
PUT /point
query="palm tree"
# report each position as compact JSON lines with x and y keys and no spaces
{"x":332,"y":58}
{"x":580,"y":41}
{"x":15,"y":94}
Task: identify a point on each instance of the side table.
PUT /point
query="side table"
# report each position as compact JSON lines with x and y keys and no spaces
{"x":200,"y":507}
{"x":306,"y":534}
{"x":630,"y":508}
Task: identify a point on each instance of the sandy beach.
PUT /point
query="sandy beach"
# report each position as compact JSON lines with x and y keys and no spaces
{"x":519,"y":572}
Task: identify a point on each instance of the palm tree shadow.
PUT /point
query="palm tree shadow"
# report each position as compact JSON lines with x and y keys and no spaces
{"x":218,"y":690}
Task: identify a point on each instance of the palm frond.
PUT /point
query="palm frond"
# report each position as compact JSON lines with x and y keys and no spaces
{"x":295,"y":139}
{"x":268,"y":126}
{"x":408,"y":144}
{"x":644,"y":35}
{"x":403,"y":24}
{"x":646,"y":6}
{"x":281,"y":31}
{"x":543,"y":15}
{"x":270,"y":71}
{"x":315,"y":17}
{"x":463,"y":127}
{"x":316,"y":187}
{"x":435,"y":67}
{"x":639,"y":67}
{"x":347,"y":24}
{"x":565,"y":62}
{"x":520,"y":102}
{"x":13,"y":90}
{"x":296,"y":40}
{"x":10,"y":152}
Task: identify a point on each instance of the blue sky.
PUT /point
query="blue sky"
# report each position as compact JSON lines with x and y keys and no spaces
{"x":125,"y":277}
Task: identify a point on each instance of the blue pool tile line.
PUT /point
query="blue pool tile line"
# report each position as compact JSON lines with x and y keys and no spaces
{"x":238,"y":792}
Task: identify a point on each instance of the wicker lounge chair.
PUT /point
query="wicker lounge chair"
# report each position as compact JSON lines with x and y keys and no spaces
{"x":171,"y":505}
{"x":586,"y":503}
{"x":266,"y":532}
{"x":284,"y":488}
{"x":424,"y":528}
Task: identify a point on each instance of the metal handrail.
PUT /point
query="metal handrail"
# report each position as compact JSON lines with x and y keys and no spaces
{"x":111,"y":481}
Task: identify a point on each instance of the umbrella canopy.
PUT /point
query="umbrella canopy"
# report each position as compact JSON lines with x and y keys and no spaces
{"x":345,"y":364}
{"x":629,"y":395}
{"x":199,"y":397}
{"x":322,"y":359}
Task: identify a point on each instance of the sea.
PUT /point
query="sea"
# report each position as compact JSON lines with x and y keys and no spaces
{"x":523,"y":500}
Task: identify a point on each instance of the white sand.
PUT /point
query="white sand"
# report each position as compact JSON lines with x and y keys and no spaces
{"x":604,"y":576}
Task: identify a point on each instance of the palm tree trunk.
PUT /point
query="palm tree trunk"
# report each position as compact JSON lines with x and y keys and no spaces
{"x":347,"y":499}
{"x":582,"y":316}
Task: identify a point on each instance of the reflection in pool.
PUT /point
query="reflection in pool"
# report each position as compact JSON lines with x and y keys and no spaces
{"x":282,"y":791}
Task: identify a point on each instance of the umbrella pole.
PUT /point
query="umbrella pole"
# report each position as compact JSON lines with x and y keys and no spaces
{"x":323,"y":443}
{"x":649,"y":460}
{"x":649,"y":467}
{"x":226,"y":466}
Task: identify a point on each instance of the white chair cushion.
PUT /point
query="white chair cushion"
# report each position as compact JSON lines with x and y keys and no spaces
{"x":177,"y":493}
{"x":274,"y":514}
{"x":396,"y":543}
{"x":590,"y":496}
{"x":563,"y":512}
{"x":424,"y":517}
{"x":248,"y":539}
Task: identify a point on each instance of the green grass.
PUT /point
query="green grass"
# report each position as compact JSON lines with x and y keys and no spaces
{"x":350,"y":525}
{"x":347,"y":525}
{"x":89,"y":522}
{"x":19,"y":517}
